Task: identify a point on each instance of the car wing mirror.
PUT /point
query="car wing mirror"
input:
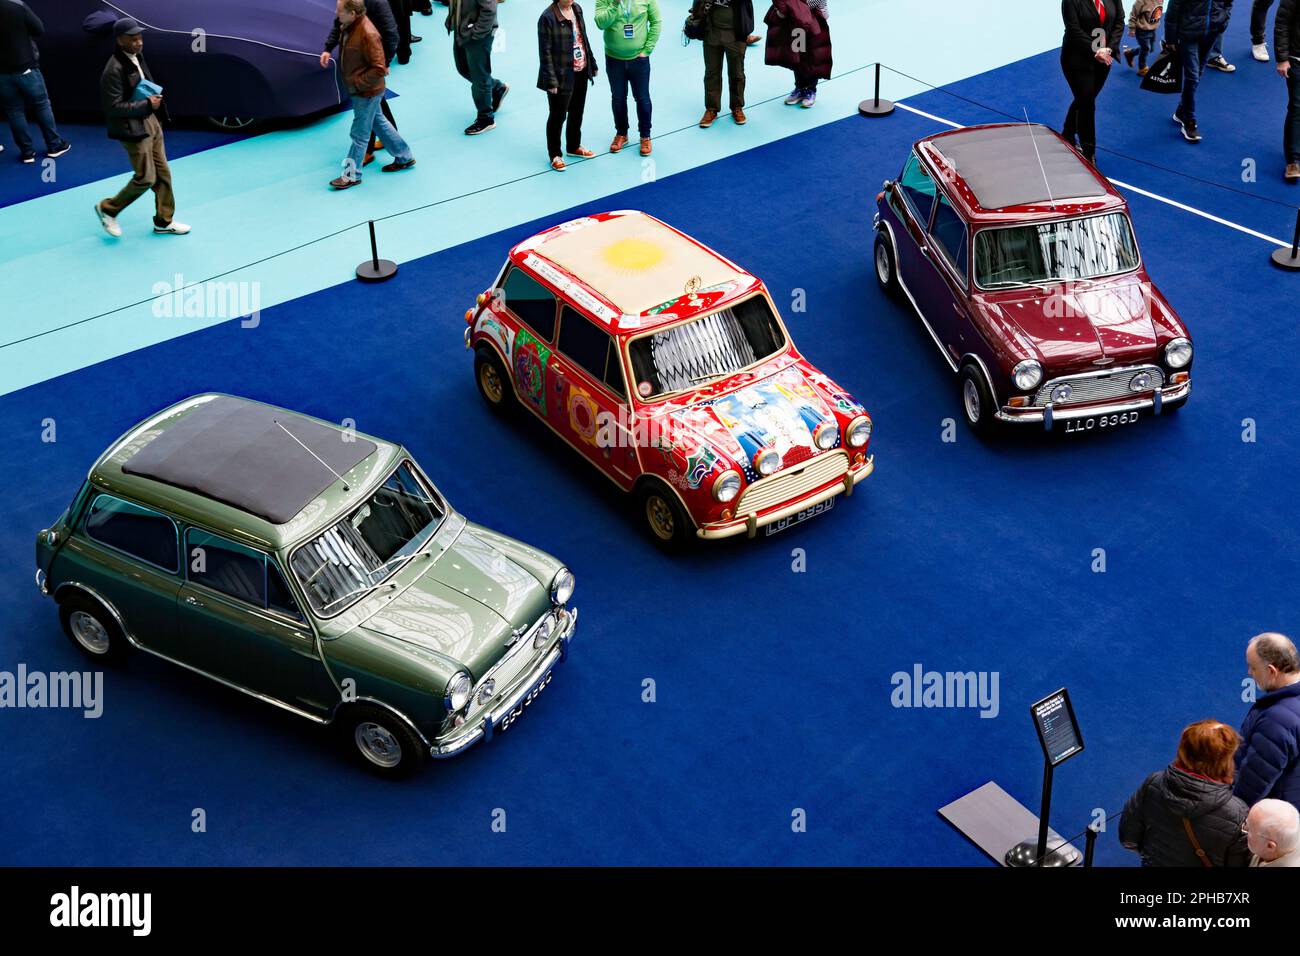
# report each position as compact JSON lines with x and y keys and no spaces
{"x":101,"y":21}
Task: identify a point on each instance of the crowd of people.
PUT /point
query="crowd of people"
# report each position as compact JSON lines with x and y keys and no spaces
{"x":1193,"y":39}
{"x":1229,"y":798}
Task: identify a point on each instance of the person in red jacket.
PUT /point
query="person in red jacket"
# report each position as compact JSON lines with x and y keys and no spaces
{"x":806,"y":52}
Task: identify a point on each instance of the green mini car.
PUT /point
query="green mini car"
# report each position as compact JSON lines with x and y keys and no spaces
{"x":312,"y":567}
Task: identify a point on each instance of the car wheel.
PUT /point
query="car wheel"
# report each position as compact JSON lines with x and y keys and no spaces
{"x":493,"y":381}
{"x":381,"y":742}
{"x":664,"y":517}
{"x":89,"y":626}
{"x":233,"y":124}
{"x":886,"y":265}
{"x":978,"y":407}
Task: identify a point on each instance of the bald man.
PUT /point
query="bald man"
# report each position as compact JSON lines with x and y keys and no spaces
{"x":1268,"y":760}
{"x":1273,"y":834}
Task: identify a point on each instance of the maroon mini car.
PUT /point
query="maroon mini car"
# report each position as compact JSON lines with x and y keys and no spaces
{"x":1021,"y":261}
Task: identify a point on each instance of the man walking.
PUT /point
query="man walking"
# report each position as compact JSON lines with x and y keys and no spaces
{"x":1268,"y":760}
{"x":1286,"y":44}
{"x":1192,"y":27}
{"x":362,"y":62}
{"x":472,"y":24}
{"x":380,"y":14}
{"x":21,"y":85}
{"x":130,"y":112}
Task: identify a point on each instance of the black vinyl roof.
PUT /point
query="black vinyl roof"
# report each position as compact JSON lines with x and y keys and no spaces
{"x":1001,"y":167}
{"x":236,"y":452}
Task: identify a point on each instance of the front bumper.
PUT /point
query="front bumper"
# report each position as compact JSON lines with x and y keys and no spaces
{"x":483,"y":727}
{"x":749,"y":524}
{"x":1048,"y":415}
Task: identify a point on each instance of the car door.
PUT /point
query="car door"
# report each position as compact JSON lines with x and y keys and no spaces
{"x":945,"y":298}
{"x":130,"y":556}
{"x":241,"y":623}
{"x":588,"y":395}
{"x":916,"y":192}
{"x":535,"y":308}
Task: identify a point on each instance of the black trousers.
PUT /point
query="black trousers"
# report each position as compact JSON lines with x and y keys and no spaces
{"x":402,"y":14}
{"x":566,"y":112}
{"x":1259,"y":20}
{"x":1086,"y":81}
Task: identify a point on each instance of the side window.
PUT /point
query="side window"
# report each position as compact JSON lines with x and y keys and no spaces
{"x":950,"y":235}
{"x":278,"y":596}
{"x":918,"y":189}
{"x":586,"y":345}
{"x":528,"y":299}
{"x":139,"y":532}
{"x":225,"y":566}
{"x":614,"y":371}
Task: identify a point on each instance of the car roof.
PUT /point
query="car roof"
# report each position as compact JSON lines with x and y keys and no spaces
{"x":260,"y":473}
{"x":631,"y":272}
{"x":1010,"y":170}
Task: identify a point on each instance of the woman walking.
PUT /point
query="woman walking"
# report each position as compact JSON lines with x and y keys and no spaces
{"x":567,"y":68}
{"x":1094,"y":30}
{"x":799,"y":39}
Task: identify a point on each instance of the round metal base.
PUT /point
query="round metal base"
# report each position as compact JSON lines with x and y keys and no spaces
{"x":1025,"y":853}
{"x":875,"y":107}
{"x":367,"y":272}
{"x":1282,"y":257}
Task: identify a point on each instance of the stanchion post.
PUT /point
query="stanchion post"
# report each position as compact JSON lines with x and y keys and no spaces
{"x":1089,"y":844}
{"x":1290,"y":258}
{"x":376,"y":269}
{"x":876,"y":106}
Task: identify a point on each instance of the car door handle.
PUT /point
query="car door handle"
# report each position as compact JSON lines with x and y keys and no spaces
{"x":194,"y":602}
{"x":559,"y":378}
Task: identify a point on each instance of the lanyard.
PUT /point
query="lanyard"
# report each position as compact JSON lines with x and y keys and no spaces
{"x":626,"y":6}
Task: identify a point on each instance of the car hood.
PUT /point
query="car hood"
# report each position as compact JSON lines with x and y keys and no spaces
{"x":1077,"y":324}
{"x":466,"y":605}
{"x":780,"y":411}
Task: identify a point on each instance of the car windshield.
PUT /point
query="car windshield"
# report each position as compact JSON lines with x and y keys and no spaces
{"x":705,"y":349}
{"x":1055,"y":251}
{"x":360,"y":551}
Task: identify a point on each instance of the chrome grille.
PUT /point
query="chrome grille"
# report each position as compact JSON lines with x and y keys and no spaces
{"x":793,"y":482}
{"x":506,"y":671}
{"x":1097,"y":386}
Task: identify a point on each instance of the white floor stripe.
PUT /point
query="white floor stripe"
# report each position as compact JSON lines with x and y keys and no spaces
{"x":1137,"y":189}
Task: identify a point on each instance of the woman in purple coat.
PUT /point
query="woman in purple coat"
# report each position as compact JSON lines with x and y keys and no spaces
{"x":809,"y":54}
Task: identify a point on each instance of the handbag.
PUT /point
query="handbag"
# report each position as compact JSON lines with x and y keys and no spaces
{"x":1166,"y":74}
{"x":697,"y":21}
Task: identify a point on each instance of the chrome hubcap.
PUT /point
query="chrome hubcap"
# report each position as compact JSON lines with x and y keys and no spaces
{"x":882,"y":264}
{"x":378,"y":745}
{"x":89,"y":633}
{"x":971,"y":395}
{"x":660,"y":517}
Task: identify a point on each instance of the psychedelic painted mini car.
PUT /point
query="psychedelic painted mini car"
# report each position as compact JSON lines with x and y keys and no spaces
{"x":314,"y":568}
{"x":1021,"y":261}
{"x":668,"y":368}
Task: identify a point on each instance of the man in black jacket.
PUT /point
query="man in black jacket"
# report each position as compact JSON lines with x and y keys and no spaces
{"x":380,"y":13}
{"x":21,"y":85}
{"x":1286,"y":46}
{"x":133,"y":122}
{"x":1191,"y":28}
{"x":472,"y":24}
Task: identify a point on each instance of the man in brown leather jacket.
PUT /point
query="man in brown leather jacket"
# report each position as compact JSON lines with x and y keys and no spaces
{"x":363,"y":65}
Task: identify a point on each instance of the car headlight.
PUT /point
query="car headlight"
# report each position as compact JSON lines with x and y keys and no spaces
{"x":544,"y":632}
{"x":859,"y":431}
{"x":458,"y":691}
{"x":767,"y":461}
{"x":1178,"y":353}
{"x":1027,"y":375}
{"x":1140,"y":382}
{"x":825,"y":434}
{"x":486,"y":690}
{"x":727,"y":486}
{"x":562,"y":586}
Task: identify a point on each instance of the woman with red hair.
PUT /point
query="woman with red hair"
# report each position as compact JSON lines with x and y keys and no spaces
{"x":1186,"y":815}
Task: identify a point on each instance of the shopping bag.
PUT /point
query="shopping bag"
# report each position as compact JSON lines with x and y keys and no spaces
{"x":1165,"y":75}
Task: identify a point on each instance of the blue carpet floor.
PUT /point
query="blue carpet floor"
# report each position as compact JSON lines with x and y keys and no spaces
{"x":773,"y":687}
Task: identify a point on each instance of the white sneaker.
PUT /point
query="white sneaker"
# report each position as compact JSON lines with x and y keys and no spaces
{"x":172,"y":228}
{"x":1260,"y":52}
{"x":108,"y":222}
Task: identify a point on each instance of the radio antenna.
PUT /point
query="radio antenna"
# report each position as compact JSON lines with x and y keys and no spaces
{"x":314,"y":455}
{"x":1033,"y":139}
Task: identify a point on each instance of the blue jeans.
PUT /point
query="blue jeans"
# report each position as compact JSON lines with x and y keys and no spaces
{"x":1216,"y":48}
{"x":1194,"y":54}
{"x":634,"y":73}
{"x":1146,"y":46}
{"x":1291,"y":137}
{"x":366,"y":117}
{"x":18,"y":91}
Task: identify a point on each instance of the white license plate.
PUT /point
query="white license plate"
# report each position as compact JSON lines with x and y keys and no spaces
{"x":509,"y":719}
{"x":776,"y":527}
{"x":1077,"y":426}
